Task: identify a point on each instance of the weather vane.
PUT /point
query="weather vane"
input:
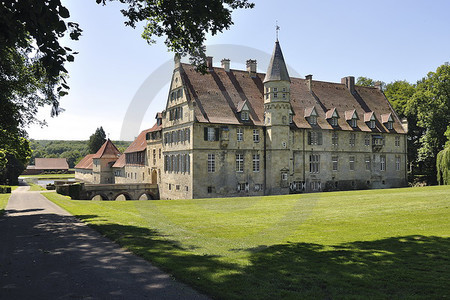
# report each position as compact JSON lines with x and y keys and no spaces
{"x":277,"y":28}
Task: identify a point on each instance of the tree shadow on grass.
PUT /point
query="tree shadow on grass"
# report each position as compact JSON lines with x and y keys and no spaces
{"x":396,"y":267}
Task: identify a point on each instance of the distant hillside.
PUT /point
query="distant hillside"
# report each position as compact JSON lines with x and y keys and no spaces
{"x":74,"y":151}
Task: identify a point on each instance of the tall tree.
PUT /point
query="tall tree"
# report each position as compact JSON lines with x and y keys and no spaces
{"x":431,"y":104}
{"x":443,"y":162}
{"x":183,"y":22}
{"x":96,"y":140}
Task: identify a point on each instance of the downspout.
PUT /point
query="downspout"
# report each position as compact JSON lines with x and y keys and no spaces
{"x":264,"y":159}
{"x":304,"y":157}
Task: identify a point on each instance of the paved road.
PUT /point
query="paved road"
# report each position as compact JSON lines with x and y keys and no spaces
{"x":45,"y":253}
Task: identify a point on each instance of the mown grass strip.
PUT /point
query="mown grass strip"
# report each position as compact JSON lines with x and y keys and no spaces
{"x":359,"y":244}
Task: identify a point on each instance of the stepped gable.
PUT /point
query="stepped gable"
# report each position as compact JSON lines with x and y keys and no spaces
{"x":86,"y":162}
{"x":107,"y":150}
{"x":216,"y":96}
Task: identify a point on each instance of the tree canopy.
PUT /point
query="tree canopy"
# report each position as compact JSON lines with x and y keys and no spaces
{"x":96,"y":140}
{"x":184,"y":23}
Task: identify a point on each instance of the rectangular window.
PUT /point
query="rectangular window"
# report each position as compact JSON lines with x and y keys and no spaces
{"x":258,"y":187}
{"x":353,"y":123}
{"x":314,"y":163}
{"x":367,"y":140}
{"x":372,"y":124}
{"x":256,"y":135}
{"x":210,"y":189}
{"x":382,"y":162}
{"x":397,"y":163}
{"x":351,"y":161}
{"x":368,"y":162}
{"x":239,"y":162}
{"x":211,"y":134}
{"x":314,"y":138}
{"x":334,"y":122}
{"x":390,"y":125}
{"x":211,"y":163}
{"x":315,"y":186}
{"x":312,"y":120}
{"x":352,"y":140}
{"x":397,"y":141}
{"x":240,"y":134}
{"x":244,"y":116}
{"x":255,"y":162}
{"x":335,"y":139}
{"x":334,"y":160}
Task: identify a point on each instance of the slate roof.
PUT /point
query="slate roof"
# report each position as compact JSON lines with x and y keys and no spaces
{"x":277,"y":67}
{"x":86,"y":162}
{"x":107,"y":150}
{"x":217,"y":95}
{"x":51,"y":164}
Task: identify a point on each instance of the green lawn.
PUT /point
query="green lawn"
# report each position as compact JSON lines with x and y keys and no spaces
{"x":3,"y":201}
{"x":375,"y":244}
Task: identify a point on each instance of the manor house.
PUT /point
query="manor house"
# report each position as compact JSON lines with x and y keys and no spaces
{"x":240,"y":133}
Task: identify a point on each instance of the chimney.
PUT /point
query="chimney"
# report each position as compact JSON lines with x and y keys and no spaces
{"x":251,"y":67}
{"x":177,"y":59}
{"x":209,"y":62}
{"x":405,"y":124}
{"x":349,"y":82}
{"x":309,"y":81}
{"x":378,"y":85}
{"x":226,"y":64}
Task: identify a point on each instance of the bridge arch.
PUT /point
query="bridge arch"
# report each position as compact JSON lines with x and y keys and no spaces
{"x":99,"y":196}
{"x":124,"y":194}
{"x":146,"y":196}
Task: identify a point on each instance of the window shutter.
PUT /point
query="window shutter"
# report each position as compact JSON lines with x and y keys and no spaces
{"x":319,"y":137}
{"x":216,"y":134}
{"x":206,"y":133}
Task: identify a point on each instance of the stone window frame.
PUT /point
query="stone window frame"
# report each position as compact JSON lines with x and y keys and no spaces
{"x":368,"y":162}
{"x":239,"y":134}
{"x":351,"y":162}
{"x":335,"y":139}
{"x":398,"y":160}
{"x":256,"y":135}
{"x":382,"y":162}
{"x":397,"y":141}
{"x":239,"y":162}
{"x":335,"y":162}
{"x":352,"y":139}
{"x":211,"y":163}
{"x":314,"y":163}
{"x":256,"y":162}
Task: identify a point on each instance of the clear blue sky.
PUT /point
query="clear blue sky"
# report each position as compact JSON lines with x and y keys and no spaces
{"x":383,"y":40}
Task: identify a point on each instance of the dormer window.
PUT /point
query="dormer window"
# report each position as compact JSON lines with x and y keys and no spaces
{"x":388,"y":121}
{"x":369,"y":119}
{"x":244,"y":110}
{"x":311,"y":115}
{"x":352,"y":118}
{"x":332,"y":116}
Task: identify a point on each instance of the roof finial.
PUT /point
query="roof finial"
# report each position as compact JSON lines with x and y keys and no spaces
{"x":277,"y":28}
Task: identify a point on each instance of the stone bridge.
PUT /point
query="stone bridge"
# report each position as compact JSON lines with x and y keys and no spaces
{"x":130,"y":191}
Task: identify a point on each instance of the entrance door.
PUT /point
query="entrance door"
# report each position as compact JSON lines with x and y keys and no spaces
{"x":154,"y":177}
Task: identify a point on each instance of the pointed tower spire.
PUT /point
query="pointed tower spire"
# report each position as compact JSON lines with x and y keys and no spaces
{"x":277,"y":70}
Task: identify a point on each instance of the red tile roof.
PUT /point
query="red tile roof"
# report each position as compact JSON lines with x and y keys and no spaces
{"x":51,"y":164}
{"x":140,"y":143}
{"x":86,"y":162}
{"x":107,"y":150}
{"x":216,"y":96}
{"x":120,"y":163}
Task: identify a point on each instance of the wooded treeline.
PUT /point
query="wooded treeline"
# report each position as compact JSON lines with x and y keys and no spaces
{"x":73,"y":151}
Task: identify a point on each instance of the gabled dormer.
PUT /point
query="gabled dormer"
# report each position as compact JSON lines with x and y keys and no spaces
{"x":243,"y":109}
{"x":388,"y":121}
{"x":352,"y":118}
{"x":311,"y":115}
{"x":332,"y":116}
{"x":370,"y":120}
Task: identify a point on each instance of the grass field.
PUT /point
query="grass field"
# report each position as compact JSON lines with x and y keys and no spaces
{"x":375,"y":244}
{"x":3,"y":201}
